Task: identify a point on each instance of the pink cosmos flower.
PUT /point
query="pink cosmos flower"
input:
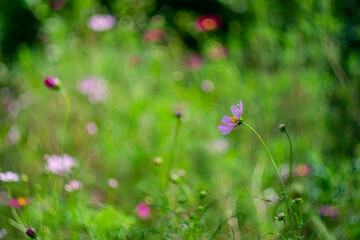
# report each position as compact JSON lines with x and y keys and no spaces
{"x":99,"y":23}
{"x":94,"y":88}
{"x":143,"y":210}
{"x":74,"y":185}
{"x":208,"y":23}
{"x":9,"y":177}
{"x":59,"y":165}
{"x":231,"y":122}
{"x":153,"y":35}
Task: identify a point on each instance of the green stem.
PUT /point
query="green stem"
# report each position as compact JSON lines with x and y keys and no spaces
{"x":13,"y":210}
{"x":291,"y":161}
{"x":271,"y":233}
{"x":268,"y":152}
{"x":67,"y":115}
{"x":66,"y":123}
{"x":171,"y":158}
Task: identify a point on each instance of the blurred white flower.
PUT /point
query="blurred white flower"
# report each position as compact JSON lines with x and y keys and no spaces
{"x":207,"y":85}
{"x":99,"y":23}
{"x":9,"y":177}
{"x":113,"y":183}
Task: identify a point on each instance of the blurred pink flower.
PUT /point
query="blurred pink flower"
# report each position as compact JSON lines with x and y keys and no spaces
{"x":143,"y":210}
{"x":74,"y":185}
{"x":153,"y":35}
{"x":99,"y":23}
{"x":94,"y":88}
{"x":302,"y":170}
{"x":13,"y":136}
{"x":207,"y":23}
{"x":3,"y":232}
{"x":9,"y":177}
{"x":113,"y":183}
{"x":329,"y":211}
{"x":91,"y":128}
{"x":194,"y":62}
{"x":217,"y":52}
{"x":59,"y":165}
{"x":231,"y":122}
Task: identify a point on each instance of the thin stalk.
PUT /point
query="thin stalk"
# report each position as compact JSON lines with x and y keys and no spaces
{"x":20,"y":225}
{"x":171,"y":157}
{"x":291,"y":161}
{"x":278,"y":173}
{"x":67,"y":115}
{"x":268,"y":152}
{"x":66,"y":123}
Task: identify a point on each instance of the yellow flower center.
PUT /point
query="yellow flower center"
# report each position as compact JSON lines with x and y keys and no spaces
{"x":209,"y":24}
{"x":21,"y":201}
{"x":234,"y":119}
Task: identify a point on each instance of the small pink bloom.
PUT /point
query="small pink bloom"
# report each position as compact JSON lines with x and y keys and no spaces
{"x":208,"y":23}
{"x":52,"y":82}
{"x":143,"y":210}
{"x":74,"y":185}
{"x":9,"y":177}
{"x":194,"y":62}
{"x":153,"y":35}
{"x":231,"y":122}
{"x":99,"y":23}
{"x":59,"y":165}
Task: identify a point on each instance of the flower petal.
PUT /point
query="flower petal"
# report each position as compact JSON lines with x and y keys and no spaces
{"x":236,"y":111}
{"x":240,"y":107}
{"x":224,"y":128}
{"x":226,"y":120}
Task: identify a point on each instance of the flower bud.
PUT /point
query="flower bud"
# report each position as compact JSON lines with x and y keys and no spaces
{"x":201,"y":208}
{"x":31,"y":233}
{"x":52,"y":82}
{"x":202,"y":194}
{"x":281,"y":217}
{"x":299,"y":200}
{"x":282,"y":128}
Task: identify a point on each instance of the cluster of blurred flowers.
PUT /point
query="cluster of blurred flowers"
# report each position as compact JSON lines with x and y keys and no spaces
{"x":17,"y":202}
{"x":73,"y":185}
{"x":94,"y":88}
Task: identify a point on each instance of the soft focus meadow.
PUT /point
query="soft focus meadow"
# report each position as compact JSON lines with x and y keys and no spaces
{"x":111,"y":113}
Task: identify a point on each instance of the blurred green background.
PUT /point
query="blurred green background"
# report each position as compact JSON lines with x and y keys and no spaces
{"x":292,"y":62}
